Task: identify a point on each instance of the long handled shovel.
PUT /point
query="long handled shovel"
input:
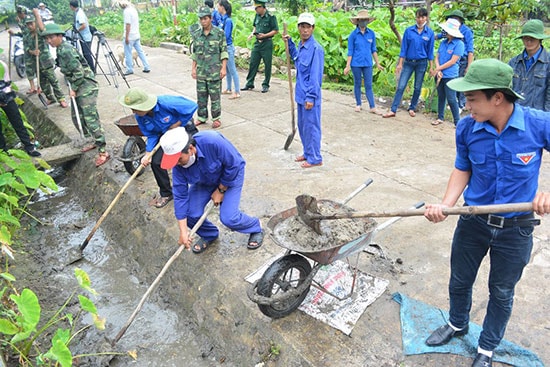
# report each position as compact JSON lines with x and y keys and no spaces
{"x":291,"y":92}
{"x":77,"y":115}
{"x":310,"y":214}
{"x":9,"y":57}
{"x":110,"y":207}
{"x":207,"y":209}
{"x":40,"y":94}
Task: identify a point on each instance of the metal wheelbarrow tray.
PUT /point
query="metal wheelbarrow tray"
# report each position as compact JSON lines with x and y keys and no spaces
{"x":134,"y":148}
{"x":287,"y":281}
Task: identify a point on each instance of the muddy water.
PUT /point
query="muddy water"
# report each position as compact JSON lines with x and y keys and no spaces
{"x":160,"y":335}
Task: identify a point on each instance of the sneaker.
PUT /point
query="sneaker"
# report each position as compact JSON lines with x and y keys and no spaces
{"x":33,"y":152}
{"x":146,"y":70}
{"x":128,"y":72}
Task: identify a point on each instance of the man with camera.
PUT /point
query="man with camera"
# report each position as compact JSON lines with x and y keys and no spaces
{"x":81,"y":27}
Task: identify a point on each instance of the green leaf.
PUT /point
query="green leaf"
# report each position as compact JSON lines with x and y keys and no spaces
{"x":13,"y":200}
{"x":6,"y":217}
{"x":8,"y":277}
{"x":7,"y":327}
{"x":61,"y":353}
{"x":6,"y":179}
{"x":20,"y":188}
{"x":87,"y":304}
{"x":29,"y":308}
{"x":84,"y":280}
{"x":28,"y":173}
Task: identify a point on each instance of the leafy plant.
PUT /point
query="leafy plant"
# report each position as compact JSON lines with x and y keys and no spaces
{"x":20,"y":316}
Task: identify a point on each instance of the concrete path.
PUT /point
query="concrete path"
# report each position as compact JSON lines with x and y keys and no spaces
{"x":409,"y":160}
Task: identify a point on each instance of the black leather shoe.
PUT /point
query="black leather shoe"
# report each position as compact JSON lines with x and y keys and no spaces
{"x":443,"y":335}
{"x":482,"y":361}
{"x":33,"y":152}
{"x":247,"y":88}
{"x":265,"y":89}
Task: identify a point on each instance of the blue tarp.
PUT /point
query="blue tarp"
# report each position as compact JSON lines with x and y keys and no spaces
{"x":419,"y":320}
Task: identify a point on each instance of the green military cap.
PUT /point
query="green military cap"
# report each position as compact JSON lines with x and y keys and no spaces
{"x":533,"y":28}
{"x":51,"y":28}
{"x":29,"y":18}
{"x":259,"y":3}
{"x":486,"y":74}
{"x":457,"y":14}
{"x":139,"y":100}
{"x":204,"y":11}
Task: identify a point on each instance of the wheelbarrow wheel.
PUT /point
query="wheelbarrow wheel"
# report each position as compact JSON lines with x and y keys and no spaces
{"x":134,"y":147}
{"x":284,"y":275}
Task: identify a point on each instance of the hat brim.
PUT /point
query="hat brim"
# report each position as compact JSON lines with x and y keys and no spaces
{"x":355,"y":20}
{"x":462,"y":85}
{"x":453,"y":32}
{"x":144,"y":106}
{"x":534,"y":35}
{"x":169,"y":161}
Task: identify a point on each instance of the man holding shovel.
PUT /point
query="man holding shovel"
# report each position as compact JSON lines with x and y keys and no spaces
{"x":47,"y":80}
{"x":499,"y":152}
{"x":83,"y":90}
{"x":309,"y":59}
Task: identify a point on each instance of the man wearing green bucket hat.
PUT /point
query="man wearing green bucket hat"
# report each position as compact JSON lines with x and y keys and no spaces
{"x":498,"y":158}
{"x":532,"y":67}
{"x":83,"y":90}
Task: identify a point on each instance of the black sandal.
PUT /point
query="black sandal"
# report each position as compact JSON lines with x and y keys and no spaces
{"x":202,"y":245}
{"x":162,"y":201}
{"x":255,"y":240}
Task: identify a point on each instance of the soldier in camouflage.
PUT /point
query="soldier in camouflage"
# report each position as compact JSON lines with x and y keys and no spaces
{"x":83,"y":88}
{"x":30,"y":71}
{"x":48,"y":81}
{"x":209,"y":61}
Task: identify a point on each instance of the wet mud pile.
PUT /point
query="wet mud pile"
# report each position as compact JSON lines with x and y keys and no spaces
{"x":294,"y":234}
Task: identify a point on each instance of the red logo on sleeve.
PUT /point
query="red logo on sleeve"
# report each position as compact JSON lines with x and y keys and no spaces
{"x":526,"y":157}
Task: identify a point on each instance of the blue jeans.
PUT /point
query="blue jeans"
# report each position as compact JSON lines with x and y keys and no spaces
{"x":232,"y":75}
{"x":361,"y":73}
{"x":128,"y":55}
{"x":461,"y":72}
{"x":409,"y":67}
{"x":509,"y":250}
{"x":444,"y":93}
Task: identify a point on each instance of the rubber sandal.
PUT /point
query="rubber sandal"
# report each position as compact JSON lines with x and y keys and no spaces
{"x":412,"y":113}
{"x":437,"y":122}
{"x":255,"y":240}
{"x":388,"y":114}
{"x":200,"y":246}
{"x":87,"y":148}
{"x":309,"y":165}
{"x":216,"y":124}
{"x":300,"y":158}
{"x":199,"y":122}
{"x":376,"y":111}
{"x":63,"y":104}
{"x":102,"y":159}
{"x":161,"y":201}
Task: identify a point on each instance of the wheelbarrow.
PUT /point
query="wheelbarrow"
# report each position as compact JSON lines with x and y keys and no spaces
{"x":134,"y":148}
{"x":287,"y":281}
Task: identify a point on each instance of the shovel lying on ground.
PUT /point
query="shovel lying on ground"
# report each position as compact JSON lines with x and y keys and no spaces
{"x":309,"y":212}
{"x":207,"y":209}
{"x":290,"y":92}
{"x":109,"y":208}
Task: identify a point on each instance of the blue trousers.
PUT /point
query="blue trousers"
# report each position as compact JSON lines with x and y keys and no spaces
{"x":509,"y":250}
{"x":232,"y":74}
{"x":309,"y":127}
{"x":461,"y":72}
{"x":419,"y":69}
{"x":230,"y":214}
{"x":444,"y":93}
{"x":360,"y":74}
{"x":128,"y":60}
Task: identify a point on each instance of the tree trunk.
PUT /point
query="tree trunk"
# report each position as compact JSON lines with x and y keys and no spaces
{"x":391,"y":7}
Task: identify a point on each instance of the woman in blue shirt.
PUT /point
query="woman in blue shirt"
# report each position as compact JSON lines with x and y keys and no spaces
{"x":361,"y":52}
{"x":446,"y":69}
{"x":226,"y":23}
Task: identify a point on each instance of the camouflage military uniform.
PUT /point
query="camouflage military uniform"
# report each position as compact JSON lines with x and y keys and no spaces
{"x":78,"y":73}
{"x":208,"y":52}
{"x":48,"y":81}
{"x":30,"y":62}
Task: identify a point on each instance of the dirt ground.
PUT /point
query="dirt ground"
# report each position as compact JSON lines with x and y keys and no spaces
{"x":409,"y":161}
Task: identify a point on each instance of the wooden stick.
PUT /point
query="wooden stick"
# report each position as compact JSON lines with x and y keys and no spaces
{"x":207,"y":209}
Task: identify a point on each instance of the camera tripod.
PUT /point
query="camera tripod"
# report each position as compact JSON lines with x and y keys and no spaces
{"x":112,"y":63}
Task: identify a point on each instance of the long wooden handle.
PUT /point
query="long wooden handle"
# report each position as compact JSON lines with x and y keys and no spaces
{"x":481,"y":209}
{"x":207,"y":209}
{"x":37,"y":62}
{"x":289,"y":72}
{"x":115,"y":200}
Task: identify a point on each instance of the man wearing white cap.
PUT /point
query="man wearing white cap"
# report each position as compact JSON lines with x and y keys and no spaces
{"x":207,"y":166}
{"x":309,"y":59}
{"x":45,"y":13}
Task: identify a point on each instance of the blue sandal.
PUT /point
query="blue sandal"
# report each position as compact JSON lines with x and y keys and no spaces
{"x":255,"y":240}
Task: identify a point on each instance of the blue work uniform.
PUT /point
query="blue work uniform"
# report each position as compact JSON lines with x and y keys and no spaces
{"x":532,"y":79}
{"x":504,"y":168}
{"x":361,"y":46}
{"x":167,"y":111}
{"x":309,"y":60}
{"x":217,"y":162}
{"x":448,"y":49}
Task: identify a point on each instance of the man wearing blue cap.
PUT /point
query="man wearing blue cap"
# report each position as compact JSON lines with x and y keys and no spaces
{"x":499,"y":149}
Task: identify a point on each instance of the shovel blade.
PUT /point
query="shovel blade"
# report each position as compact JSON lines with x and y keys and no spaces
{"x":307,"y":205}
{"x":43,"y":100}
{"x":289,"y":139}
